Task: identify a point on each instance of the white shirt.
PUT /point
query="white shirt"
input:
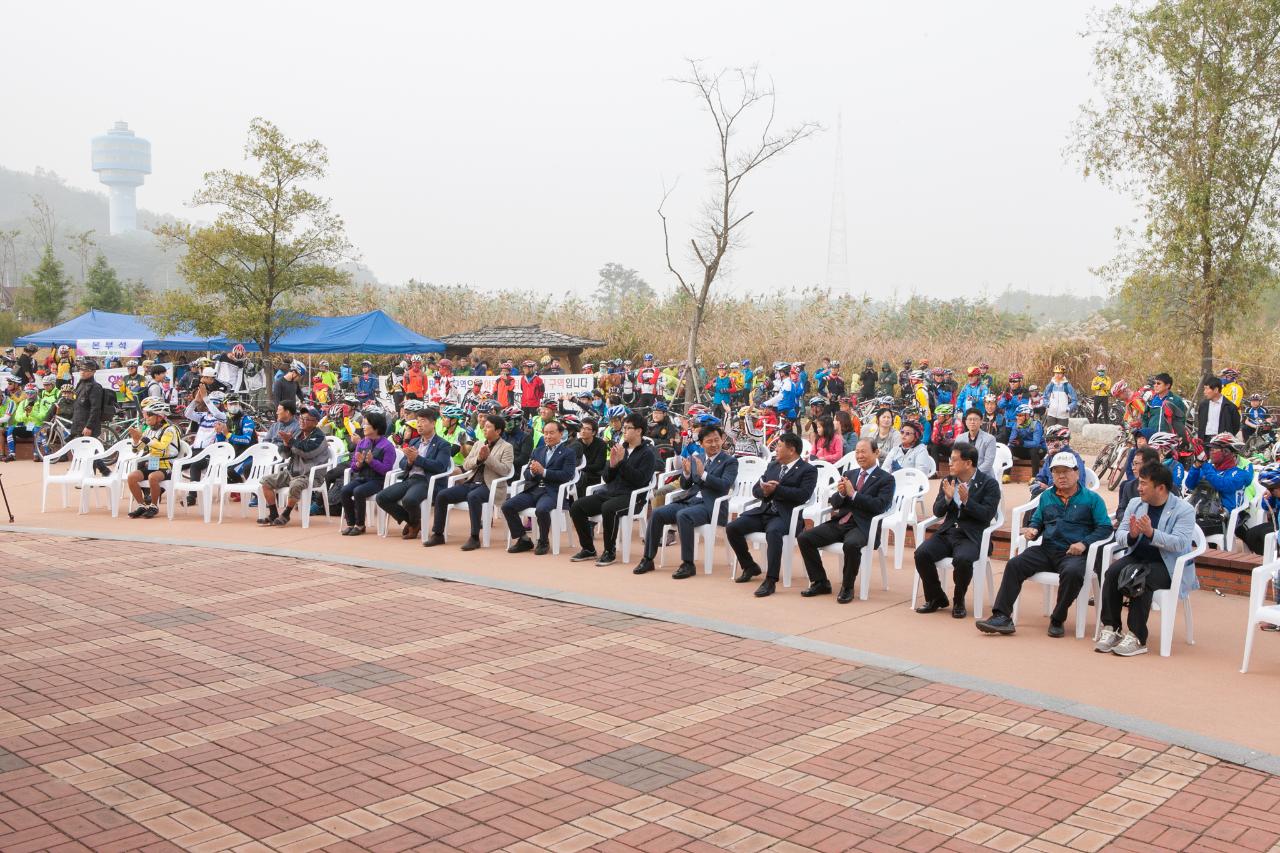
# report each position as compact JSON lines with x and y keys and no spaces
{"x":1212,"y":416}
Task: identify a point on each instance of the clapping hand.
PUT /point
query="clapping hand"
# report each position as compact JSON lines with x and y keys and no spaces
{"x":843,"y":486}
{"x":949,"y":488}
{"x":410,"y":453}
{"x":537,"y":468}
{"x":1141,"y":525}
{"x":483,"y":454}
{"x":768,"y":486}
{"x":964,"y":491}
{"x":687,"y":466}
{"x":616,"y":454}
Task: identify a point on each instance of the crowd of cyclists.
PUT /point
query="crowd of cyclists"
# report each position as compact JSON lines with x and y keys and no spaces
{"x":916,"y":413}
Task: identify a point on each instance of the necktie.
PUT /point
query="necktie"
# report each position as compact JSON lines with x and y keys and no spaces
{"x":862,"y":478}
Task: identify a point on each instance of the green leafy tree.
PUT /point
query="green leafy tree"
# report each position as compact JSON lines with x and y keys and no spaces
{"x":1189,"y":123}
{"x":49,"y":287}
{"x":102,"y":288}
{"x":735,"y":99}
{"x":618,"y":286}
{"x":274,"y":245}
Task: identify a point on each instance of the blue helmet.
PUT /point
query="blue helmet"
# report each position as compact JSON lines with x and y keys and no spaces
{"x":1269,"y":477}
{"x":618,"y":412}
{"x":1024,"y":409}
{"x":661,"y":406}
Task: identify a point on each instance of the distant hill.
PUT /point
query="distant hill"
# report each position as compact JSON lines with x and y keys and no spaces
{"x":136,"y":256}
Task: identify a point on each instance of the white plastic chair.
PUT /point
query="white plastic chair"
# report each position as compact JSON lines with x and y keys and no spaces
{"x":559,"y":513}
{"x":371,"y":508}
{"x":788,"y":541}
{"x":1003,"y":463}
{"x":912,"y":485}
{"x":82,"y":450}
{"x":706,"y":533}
{"x":828,"y":477}
{"x":487,"y":512}
{"x":1165,"y":600}
{"x":316,"y":481}
{"x":113,"y":481}
{"x":338,"y":451}
{"x":263,"y":460}
{"x":847,"y":461}
{"x":1051,"y":580}
{"x":868,"y":550}
{"x":633,"y":517}
{"x":981,"y":566}
{"x":1227,"y":539}
{"x":215,"y":477}
{"x":1259,"y":611}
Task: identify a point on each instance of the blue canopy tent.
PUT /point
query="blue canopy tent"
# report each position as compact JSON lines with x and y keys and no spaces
{"x":372,"y":332}
{"x":103,"y":324}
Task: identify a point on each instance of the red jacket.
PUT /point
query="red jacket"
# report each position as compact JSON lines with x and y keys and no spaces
{"x":531,"y":392}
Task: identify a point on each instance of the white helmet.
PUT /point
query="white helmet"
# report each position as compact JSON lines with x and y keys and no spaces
{"x":217,"y":398}
{"x":155,"y":406}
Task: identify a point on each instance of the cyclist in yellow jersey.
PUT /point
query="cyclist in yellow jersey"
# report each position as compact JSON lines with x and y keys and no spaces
{"x":1231,"y":387}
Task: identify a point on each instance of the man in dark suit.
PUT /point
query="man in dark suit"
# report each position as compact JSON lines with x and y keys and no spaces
{"x":787,"y":483}
{"x":1216,"y":413}
{"x":704,"y":482}
{"x":966,"y":503}
{"x":551,"y":464}
{"x":630,"y":467}
{"x":863,"y":493}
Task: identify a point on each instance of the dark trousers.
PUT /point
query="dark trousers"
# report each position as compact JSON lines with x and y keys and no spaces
{"x":1139,"y":608}
{"x":475,"y":494}
{"x":685,"y":517}
{"x":585,"y":481}
{"x":773,"y":526}
{"x":1069,"y":569}
{"x":1035,"y":454}
{"x":402,"y":501}
{"x":354,"y":494}
{"x":1254,"y":537}
{"x":1100,"y":410}
{"x":829,"y":533}
{"x":963,"y":553}
{"x":541,"y":500}
{"x":608,"y":507}
{"x":195,"y":471}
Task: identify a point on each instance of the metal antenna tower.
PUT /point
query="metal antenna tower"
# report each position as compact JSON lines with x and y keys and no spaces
{"x":838,"y":241}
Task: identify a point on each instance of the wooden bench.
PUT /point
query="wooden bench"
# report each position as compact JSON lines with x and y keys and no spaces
{"x":1228,"y":571}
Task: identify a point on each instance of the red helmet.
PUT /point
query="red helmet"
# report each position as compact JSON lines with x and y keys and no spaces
{"x":1016,"y":376}
{"x":1120,"y":389}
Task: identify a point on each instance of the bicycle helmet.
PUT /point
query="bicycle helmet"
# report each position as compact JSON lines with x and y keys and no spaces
{"x":133,"y":362}
{"x":734,"y":365}
{"x":885,"y":402}
{"x":917,"y":375}
{"x":297,"y":366}
{"x":454,"y":413}
{"x":1120,"y":389}
{"x":1033,"y":387}
{"x":1256,"y":398}
{"x":513,"y":413}
{"x":746,"y":362}
{"x":413,"y":406}
{"x":1015,"y":376}
{"x":415,"y":358}
{"x":626,"y":362}
{"x":30,"y":389}
{"x":351,"y":400}
{"x":708,"y":420}
{"x":372,"y":408}
{"x":618,"y":412}
{"x":1100,"y":369}
{"x":62,"y":348}
{"x":1269,"y":477}
{"x":835,"y":362}
{"x":982,"y":365}
{"x":366,"y":363}
{"x":661,"y":406}
{"x":648,"y":356}
{"x":973,"y":371}
{"x":722,"y":366}
{"x":324,"y":363}
{"x":486,"y":407}
{"x":1226,"y":441}
{"x":1024,"y":409}
{"x":216,"y":398}
{"x":781,"y":365}
{"x":1163,"y":441}
{"x":445,"y":362}
{"x":45,"y":381}
{"x":570,"y":421}
{"x":1230,"y":374}
{"x":913,"y":412}
{"x":337,"y":411}
{"x":1058,"y":368}
{"x":817,"y":401}
{"x":152,"y":406}
{"x":937,"y":371}
{"x":944,"y":411}
{"x":696,"y":409}
{"x":1057,"y":433}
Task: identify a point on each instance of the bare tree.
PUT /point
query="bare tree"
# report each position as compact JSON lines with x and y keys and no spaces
{"x":733,"y":97}
{"x":44,"y":225}
{"x":82,"y":244}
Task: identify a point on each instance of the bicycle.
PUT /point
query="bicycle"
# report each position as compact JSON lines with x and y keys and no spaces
{"x":1109,"y":463}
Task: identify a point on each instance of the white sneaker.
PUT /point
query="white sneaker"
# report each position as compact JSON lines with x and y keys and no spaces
{"x":1109,"y":640}
{"x":1128,"y":647}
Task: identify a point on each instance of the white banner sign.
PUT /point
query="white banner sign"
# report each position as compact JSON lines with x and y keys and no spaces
{"x":563,"y":385}
{"x":109,"y":347}
{"x":111,"y":379}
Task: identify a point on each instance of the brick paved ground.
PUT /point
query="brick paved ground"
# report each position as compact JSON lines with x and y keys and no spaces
{"x":161,"y":698}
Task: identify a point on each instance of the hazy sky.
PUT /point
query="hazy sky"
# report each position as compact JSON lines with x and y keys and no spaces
{"x":525,"y":145}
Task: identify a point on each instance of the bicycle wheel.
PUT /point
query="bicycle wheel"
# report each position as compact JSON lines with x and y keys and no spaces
{"x":1117,"y":474}
{"x":1105,"y":458}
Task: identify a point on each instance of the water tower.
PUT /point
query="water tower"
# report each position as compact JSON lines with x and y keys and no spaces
{"x":122,"y":162}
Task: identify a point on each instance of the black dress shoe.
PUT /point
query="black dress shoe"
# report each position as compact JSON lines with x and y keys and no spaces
{"x":520,"y":546}
{"x":607,"y":558}
{"x":845,"y":596}
{"x":958,"y":610}
{"x":933,"y":606}
{"x":1056,"y":630}
{"x":643,"y":567}
{"x":686,"y":570}
{"x":583,"y":555}
{"x":766,"y":588}
{"x":541,"y":549}
{"x":433,"y":540}
{"x":471,"y":544}
{"x":816,"y":588}
{"x":746,"y":573}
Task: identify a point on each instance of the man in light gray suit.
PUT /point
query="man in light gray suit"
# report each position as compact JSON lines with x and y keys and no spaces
{"x":985,"y":442}
{"x":1157,"y":528}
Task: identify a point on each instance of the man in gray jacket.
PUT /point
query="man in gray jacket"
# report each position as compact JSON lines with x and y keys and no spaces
{"x":984,"y":442}
{"x":304,"y":450}
{"x":1157,"y":528}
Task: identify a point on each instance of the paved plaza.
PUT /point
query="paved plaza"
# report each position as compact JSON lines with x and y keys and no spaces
{"x":159,"y":697}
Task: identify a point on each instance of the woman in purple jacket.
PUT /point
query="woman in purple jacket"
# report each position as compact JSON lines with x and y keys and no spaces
{"x":372,"y":458}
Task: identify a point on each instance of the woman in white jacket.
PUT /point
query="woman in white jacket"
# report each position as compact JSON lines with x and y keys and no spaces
{"x":909,"y":452}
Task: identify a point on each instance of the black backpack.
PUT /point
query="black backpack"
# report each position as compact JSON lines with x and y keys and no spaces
{"x":1210,"y":516}
{"x":108,"y":403}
